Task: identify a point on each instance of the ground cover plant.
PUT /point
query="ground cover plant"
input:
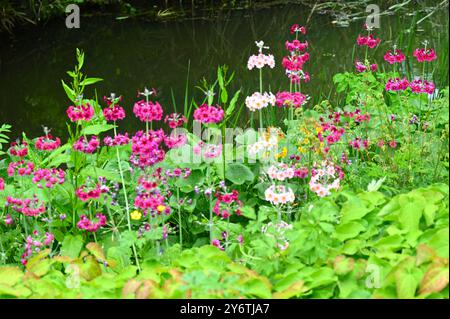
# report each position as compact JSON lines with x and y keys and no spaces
{"x":305,"y":200}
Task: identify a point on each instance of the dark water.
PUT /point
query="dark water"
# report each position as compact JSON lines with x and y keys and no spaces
{"x":131,"y":54}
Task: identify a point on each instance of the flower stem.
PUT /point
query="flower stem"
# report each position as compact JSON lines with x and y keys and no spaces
{"x":127,"y":207}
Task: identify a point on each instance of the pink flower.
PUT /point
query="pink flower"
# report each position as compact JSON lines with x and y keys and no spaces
{"x":393,"y":144}
{"x":217,"y":244}
{"x":47,"y":143}
{"x":396,"y":57}
{"x":148,"y":111}
{"x":397,"y":84}
{"x":419,"y":86}
{"x":175,"y":141}
{"x":295,"y":99}
{"x":423,"y":55}
{"x":296,"y":28}
{"x":368,"y":41}
{"x":2,"y":184}
{"x":118,"y":140}
{"x":89,"y":225}
{"x":175,"y":120}
{"x":296,"y":45}
{"x":88,"y":147}
{"x":208,"y":114}
{"x":146,"y":149}
{"x":8,"y":219}
{"x":84,"y":193}
{"x":360,"y":67}
{"x":27,"y":206}
{"x":80,"y":112}
{"x":19,"y":150}
{"x":23,"y":168}
{"x":49,"y":177}
{"x":114,"y":113}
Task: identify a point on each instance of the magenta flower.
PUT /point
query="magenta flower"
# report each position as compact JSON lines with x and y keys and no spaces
{"x":148,"y":111}
{"x":394,"y":57}
{"x":419,"y":86}
{"x":88,"y":147}
{"x":425,"y":55}
{"x":114,"y":113}
{"x":27,"y":206}
{"x":207,"y":114}
{"x":47,"y":143}
{"x":91,"y":225}
{"x":295,"y":99}
{"x":80,"y":112}
{"x":368,"y":41}
{"x":118,"y":140}
{"x":48,"y":177}
{"x":397,"y":84}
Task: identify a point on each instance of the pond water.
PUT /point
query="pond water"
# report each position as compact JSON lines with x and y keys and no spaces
{"x":130,"y":54}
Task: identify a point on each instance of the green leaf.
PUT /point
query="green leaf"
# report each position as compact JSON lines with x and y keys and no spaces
{"x":232,"y":105}
{"x":96,"y":129}
{"x":69,"y":92}
{"x":89,"y":81}
{"x":71,"y":246}
{"x":348,"y":230}
{"x":9,"y":276}
{"x":239,"y":173}
{"x":248,"y":212}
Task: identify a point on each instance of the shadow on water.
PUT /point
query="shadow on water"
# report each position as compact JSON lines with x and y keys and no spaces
{"x":131,"y":54}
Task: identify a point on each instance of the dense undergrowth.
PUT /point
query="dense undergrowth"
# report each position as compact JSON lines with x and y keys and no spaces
{"x":310,"y":201}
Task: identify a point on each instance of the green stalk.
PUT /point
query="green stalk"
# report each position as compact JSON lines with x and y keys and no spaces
{"x":127,"y":207}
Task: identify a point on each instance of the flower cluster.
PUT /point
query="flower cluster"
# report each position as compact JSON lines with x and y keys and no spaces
{"x":207,"y":151}
{"x":114,"y":113}
{"x":394,"y":57}
{"x":47,"y":143}
{"x":357,"y":143}
{"x":80,"y":113}
{"x":26,"y":206}
{"x":2,"y":184}
{"x":208,"y":114}
{"x":361,"y":67}
{"x":118,"y":140}
{"x":175,"y":120}
{"x":19,"y":149}
{"x":146,"y":149}
{"x":35,"y":243}
{"x":287,"y":99}
{"x":295,"y":28}
{"x":368,"y":41}
{"x":91,"y":225}
{"x":419,"y":86}
{"x":148,"y":111}
{"x":227,"y":203}
{"x":280,"y":172}
{"x":49,"y":177}
{"x":397,"y":84}
{"x":151,"y":202}
{"x":279,"y":194}
{"x":425,"y":55}
{"x":325,"y":178}
{"x":175,"y":140}
{"x":23,"y":168}
{"x":85,"y":146}
{"x":296,"y":45}
{"x":258,"y":101}
{"x":261,"y":60}
{"x":91,"y":190}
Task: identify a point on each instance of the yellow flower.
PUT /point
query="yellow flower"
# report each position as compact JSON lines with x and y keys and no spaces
{"x":136,"y":215}
{"x":282,"y":154}
{"x":161,"y":208}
